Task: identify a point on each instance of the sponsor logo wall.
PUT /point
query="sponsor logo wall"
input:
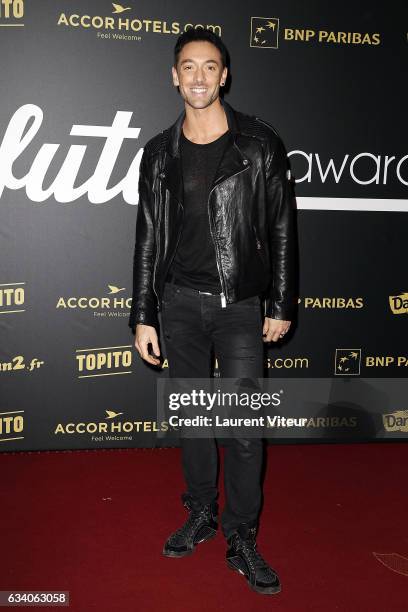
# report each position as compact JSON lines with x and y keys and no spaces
{"x":84,"y":85}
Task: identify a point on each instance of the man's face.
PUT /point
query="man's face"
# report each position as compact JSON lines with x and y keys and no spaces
{"x":199,"y":73}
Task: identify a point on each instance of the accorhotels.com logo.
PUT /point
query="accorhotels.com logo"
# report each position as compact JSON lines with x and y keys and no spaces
{"x":113,"y":428}
{"x":114,"y":304}
{"x":266,"y":33}
{"x":11,"y":13}
{"x":122,"y":24}
{"x":277,"y":363}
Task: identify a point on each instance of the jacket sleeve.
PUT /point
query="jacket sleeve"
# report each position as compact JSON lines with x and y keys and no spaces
{"x":144,"y":301}
{"x":281,"y":299}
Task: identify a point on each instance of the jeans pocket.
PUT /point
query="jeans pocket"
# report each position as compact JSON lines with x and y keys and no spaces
{"x":253,"y":301}
{"x":169,"y":294}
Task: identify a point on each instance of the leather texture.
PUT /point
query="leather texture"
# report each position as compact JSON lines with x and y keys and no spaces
{"x":201,"y":526}
{"x":251,"y":214}
{"x":243,"y":557}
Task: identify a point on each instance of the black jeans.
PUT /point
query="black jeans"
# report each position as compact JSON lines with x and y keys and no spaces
{"x":193,"y":325}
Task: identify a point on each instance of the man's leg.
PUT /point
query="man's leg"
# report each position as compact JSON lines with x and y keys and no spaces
{"x":239,"y":350}
{"x":188,"y":349}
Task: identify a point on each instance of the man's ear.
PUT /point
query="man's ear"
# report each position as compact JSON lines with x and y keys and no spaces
{"x":175,"y":76}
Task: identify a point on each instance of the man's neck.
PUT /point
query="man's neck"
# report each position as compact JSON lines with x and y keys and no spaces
{"x":203,"y":125}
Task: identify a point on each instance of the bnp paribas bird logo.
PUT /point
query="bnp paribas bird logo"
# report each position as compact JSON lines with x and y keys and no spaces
{"x":264,"y":32}
{"x":347,"y":362}
{"x":118,"y":8}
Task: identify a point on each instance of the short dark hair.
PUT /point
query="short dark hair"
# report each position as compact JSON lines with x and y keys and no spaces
{"x":196,"y":34}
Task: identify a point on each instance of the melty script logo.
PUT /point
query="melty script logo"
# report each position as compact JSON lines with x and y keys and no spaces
{"x":21,"y":131}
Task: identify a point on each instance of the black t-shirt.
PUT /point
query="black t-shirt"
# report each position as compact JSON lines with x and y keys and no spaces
{"x":194,"y":264}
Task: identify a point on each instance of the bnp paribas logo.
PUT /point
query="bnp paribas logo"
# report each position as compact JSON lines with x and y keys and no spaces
{"x":264,"y":32}
{"x":347,"y":362}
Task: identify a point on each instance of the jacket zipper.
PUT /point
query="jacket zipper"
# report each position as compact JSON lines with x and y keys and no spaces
{"x":259,"y":246}
{"x":258,"y":242}
{"x":178,"y":240}
{"x":222,"y":281}
{"x":157,"y":249}
{"x":224,"y":294}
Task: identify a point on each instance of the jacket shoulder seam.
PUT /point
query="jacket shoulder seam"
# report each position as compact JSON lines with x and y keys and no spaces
{"x":254,"y":126}
{"x":156,"y":144}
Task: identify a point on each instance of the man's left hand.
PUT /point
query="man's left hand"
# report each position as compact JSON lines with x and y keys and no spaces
{"x":274,"y":329}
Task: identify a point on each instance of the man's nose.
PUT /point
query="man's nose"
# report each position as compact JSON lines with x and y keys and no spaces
{"x":199,"y":77}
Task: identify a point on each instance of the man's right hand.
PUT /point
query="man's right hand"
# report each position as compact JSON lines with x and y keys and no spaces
{"x":145,"y":335}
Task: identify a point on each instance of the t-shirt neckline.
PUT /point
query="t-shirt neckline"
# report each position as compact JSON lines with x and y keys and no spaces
{"x":206,"y":144}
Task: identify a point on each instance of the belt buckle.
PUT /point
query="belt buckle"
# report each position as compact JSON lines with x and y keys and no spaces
{"x":222,"y":296}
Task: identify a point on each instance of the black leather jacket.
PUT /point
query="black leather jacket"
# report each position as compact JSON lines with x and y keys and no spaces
{"x":251,"y":216}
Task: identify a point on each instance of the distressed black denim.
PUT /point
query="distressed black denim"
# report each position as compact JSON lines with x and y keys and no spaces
{"x":194,"y":326}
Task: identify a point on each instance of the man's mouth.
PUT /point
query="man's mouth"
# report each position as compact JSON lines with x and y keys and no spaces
{"x":198,"y":90}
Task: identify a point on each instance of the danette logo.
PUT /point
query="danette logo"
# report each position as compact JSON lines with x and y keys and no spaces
{"x":396,"y":421}
{"x":11,"y":12}
{"x":399,"y":303}
{"x":264,"y":32}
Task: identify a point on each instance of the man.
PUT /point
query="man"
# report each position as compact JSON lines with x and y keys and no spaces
{"x":214,"y":237}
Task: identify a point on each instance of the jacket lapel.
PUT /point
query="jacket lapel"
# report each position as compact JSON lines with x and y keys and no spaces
{"x":231,"y":162}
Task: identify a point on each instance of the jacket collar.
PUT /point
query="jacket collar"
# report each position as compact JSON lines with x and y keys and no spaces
{"x":175,"y":129}
{"x":232,"y":161}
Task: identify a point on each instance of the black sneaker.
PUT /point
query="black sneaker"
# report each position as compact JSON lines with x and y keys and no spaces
{"x":201,"y":525}
{"x":243,"y":557}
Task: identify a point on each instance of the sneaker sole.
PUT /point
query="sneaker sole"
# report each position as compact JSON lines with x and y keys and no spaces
{"x":262,"y":590}
{"x":174,"y":554}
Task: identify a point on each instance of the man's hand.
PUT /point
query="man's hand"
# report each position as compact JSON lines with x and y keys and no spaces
{"x":145,"y":335}
{"x":274,"y":329}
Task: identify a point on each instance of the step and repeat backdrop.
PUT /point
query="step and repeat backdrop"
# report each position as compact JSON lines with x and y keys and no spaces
{"x":84,"y":84}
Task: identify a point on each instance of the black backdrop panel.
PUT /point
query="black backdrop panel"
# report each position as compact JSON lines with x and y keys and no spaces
{"x":84,"y":85}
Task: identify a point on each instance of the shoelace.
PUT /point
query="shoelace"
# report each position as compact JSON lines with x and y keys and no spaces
{"x":189,"y":524}
{"x":254,"y":556}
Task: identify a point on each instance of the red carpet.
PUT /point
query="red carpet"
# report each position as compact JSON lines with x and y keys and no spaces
{"x":334,"y":526}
